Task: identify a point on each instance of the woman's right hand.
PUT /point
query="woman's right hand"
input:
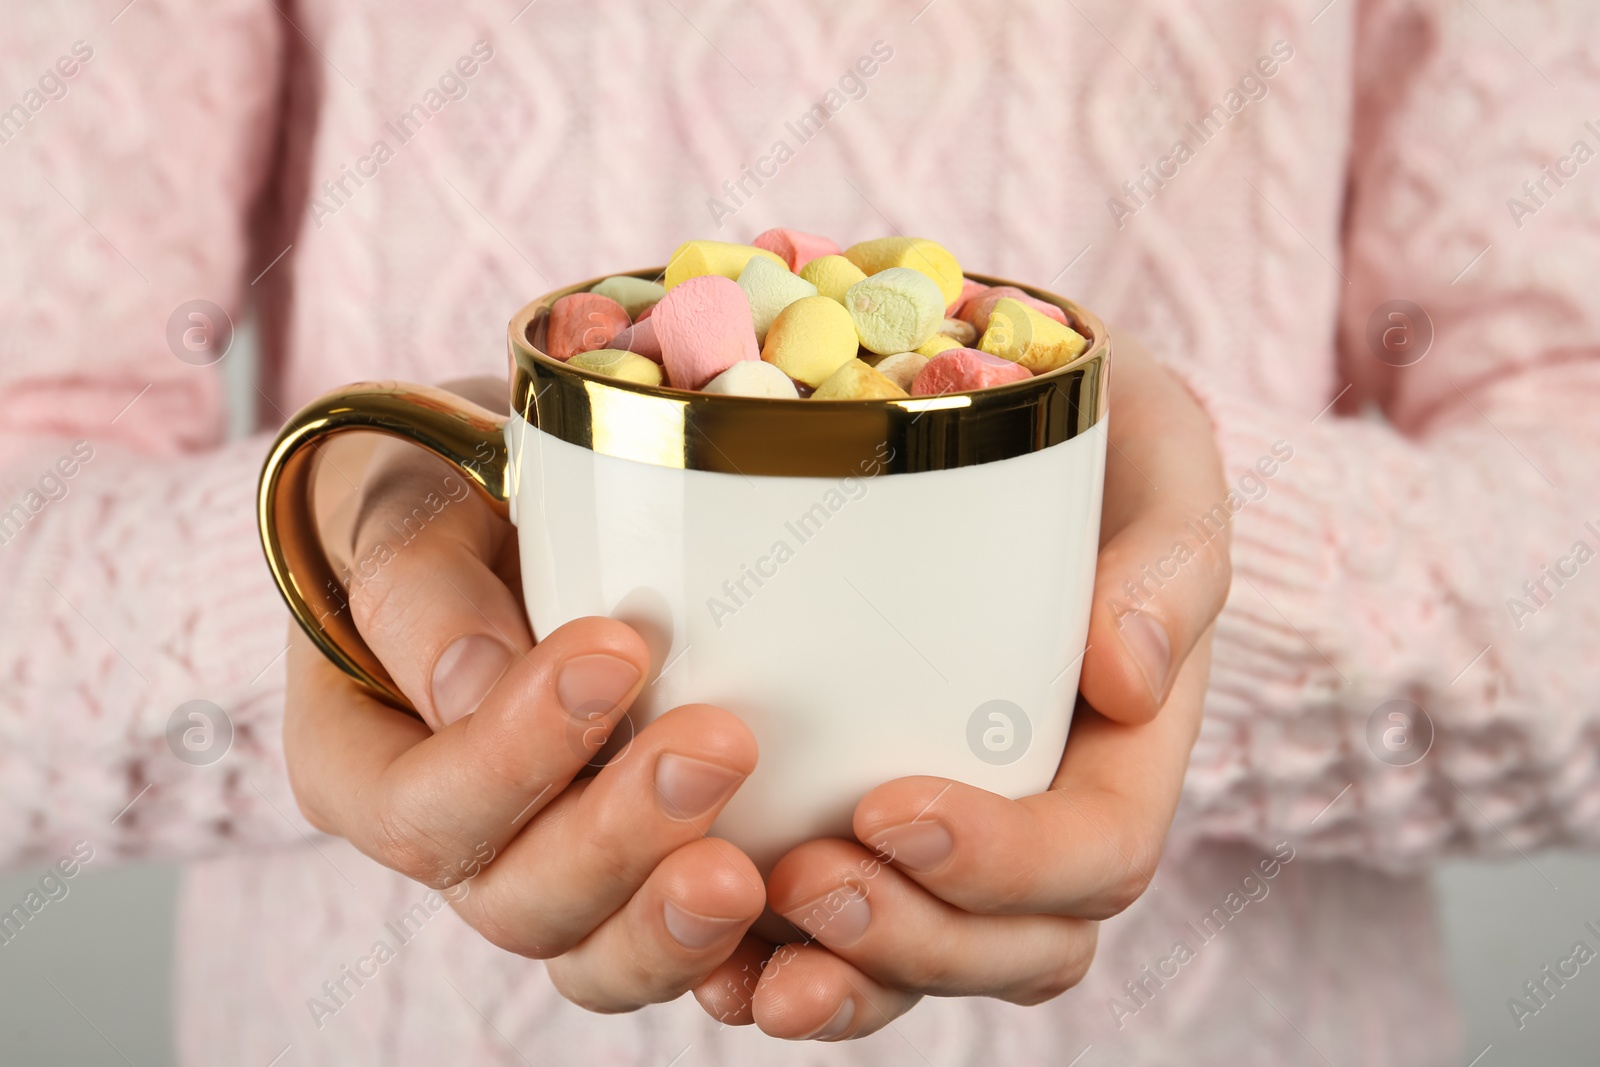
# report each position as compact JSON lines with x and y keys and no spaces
{"x":610,"y":878}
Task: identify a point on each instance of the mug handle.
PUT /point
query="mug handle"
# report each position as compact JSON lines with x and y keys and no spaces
{"x":470,"y":438}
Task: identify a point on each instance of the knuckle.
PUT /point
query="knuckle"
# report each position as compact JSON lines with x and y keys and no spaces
{"x":1129,"y":884}
{"x":1058,"y":979}
{"x":378,"y":603}
{"x":655,"y":981}
{"x":399,"y":843}
{"x":1062,"y":974}
{"x":929,"y":973}
{"x":516,"y":932}
{"x":302,"y":787}
{"x":373,"y":603}
{"x":1120,"y":895}
{"x":571,"y":981}
{"x":1216,"y":572}
{"x":311,"y":813}
{"x":1041,"y":991}
{"x":579,"y":993}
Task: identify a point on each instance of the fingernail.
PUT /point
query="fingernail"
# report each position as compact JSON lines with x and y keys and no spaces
{"x":691,"y":787}
{"x":695,"y":932}
{"x":837,"y":920}
{"x":1146,"y":640}
{"x":592,"y":686}
{"x":465,"y":673}
{"x":836,"y":1026}
{"x":916,"y":846}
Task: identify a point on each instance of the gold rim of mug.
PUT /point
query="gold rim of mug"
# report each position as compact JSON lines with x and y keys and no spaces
{"x":811,"y":438}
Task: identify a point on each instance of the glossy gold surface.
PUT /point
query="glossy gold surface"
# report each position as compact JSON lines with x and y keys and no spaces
{"x":813,"y":438}
{"x":463,"y":434}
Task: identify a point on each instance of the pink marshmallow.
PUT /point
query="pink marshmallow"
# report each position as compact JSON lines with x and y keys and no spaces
{"x":794,"y":247}
{"x":582,"y":322}
{"x":640,"y":339}
{"x":704,"y":327}
{"x":976,"y":310}
{"x":961,"y":370}
{"x":969,"y":289}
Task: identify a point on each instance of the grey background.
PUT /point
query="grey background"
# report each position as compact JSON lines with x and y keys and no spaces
{"x":88,"y":982}
{"x":107,"y":949}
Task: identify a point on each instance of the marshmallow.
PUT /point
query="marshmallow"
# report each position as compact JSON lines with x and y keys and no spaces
{"x":635,"y":295}
{"x":770,"y":289}
{"x":929,"y":257}
{"x":810,"y":339}
{"x":794,"y":247}
{"x":614,"y":363}
{"x":962,"y":370}
{"x":753,"y":378}
{"x":704,"y":328}
{"x":857,"y":381}
{"x":895,"y":310}
{"x":832,"y":275}
{"x":964,"y":332}
{"x":1017,"y":332}
{"x":969,"y":289}
{"x":696,"y":259}
{"x":582,"y":322}
{"x":641,"y":339}
{"x":790,"y":316}
{"x":939,"y":342}
{"x":977,"y":310}
{"x":901,"y":368}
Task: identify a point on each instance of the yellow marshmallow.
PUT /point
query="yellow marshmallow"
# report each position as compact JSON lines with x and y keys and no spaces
{"x":634,"y":294}
{"x":920,"y":254}
{"x":832,"y":275}
{"x":1022,"y":335}
{"x":857,"y":381}
{"x":614,"y":363}
{"x":810,"y":339}
{"x":694,"y":259}
{"x":939,"y":342}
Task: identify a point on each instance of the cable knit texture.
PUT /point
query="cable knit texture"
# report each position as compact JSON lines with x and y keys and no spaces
{"x":188,"y":159}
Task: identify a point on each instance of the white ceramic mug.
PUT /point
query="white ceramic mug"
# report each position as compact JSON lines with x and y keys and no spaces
{"x":878,"y":588}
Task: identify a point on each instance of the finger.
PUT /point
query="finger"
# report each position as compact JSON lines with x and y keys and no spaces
{"x":592,"y":849}
{"x":728,"y":993}
{"x":420,"y":802}
{"x":1086,"y":847}
{"x":809,"y":994}
{"x":1163,"y":572}
{"x":423,"y":589}
{"x":686,"y":918}
{"x":315,"y":755}
{"x":884,"y":924}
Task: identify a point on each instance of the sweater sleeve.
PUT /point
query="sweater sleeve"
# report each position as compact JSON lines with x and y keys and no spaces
{"x":1432,"y":548}
{"x":133,"y":597}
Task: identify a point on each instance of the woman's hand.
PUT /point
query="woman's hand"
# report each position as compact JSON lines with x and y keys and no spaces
{"x":951,"y":890}
{"x":610,"y":878}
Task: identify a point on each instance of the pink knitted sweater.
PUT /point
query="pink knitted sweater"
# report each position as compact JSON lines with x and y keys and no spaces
{"x":1397,"y":150}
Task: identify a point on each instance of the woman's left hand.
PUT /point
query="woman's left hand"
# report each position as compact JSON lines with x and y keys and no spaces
{"x":951,"y":890}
